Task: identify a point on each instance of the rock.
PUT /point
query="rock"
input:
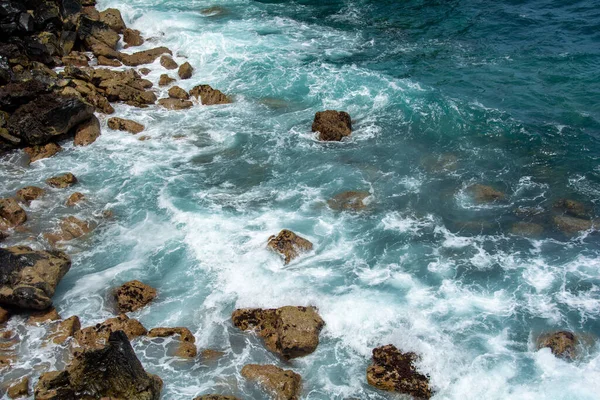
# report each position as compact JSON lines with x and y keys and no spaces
{"x":16,"y":94}
{"x":165,"y":80}
{"x":36,"y":153}
{"x":185,"y":71}
{"x":572,"y":225}
{"x":289,"y":245}
{"x":91,"y":12}
{"x":527,"y":229}
{"x":175,"y":104}
{"x":47,"y":117}
{"x":485,"y":194}
{"x":3,"y":236}
{"x":91,"y":32}
{"x":28,"y":278}
{"x":41,"y":317}
{"x":144,"y":71}
{"x":132,"y":37}
{"x":65,"y":329}
{"x":87,"y":132}
{"x":70,"y":228}
{"x":332,"y":125}
{"x":75,"y":198}
{"x":98,"y":335}
{"x":178,"y":93}
{"x":144,"y":57}
{"x":4,"y":315}
{"x":108,"y":62}
{"x":120,"y":124}
{"x":209,"y":96}
{"x":168,"y":62}
{"x":62,"y":181}
{"x":289,"y":331}
{"x":186,"y":350}
{"x":211,"y":355}
{"x":133,"y":295}
{"x":100,"y":49}
{"x":348,"y":201}
{"x":111,"y":371}
{"x":563,"y":344}
{"x":19,"y":389}
{"x":184,"y":333}
{"x":571,"y":207}
{"x":281,"y":384}
{"x":76,"y":59}
{"x":112,"y":17}
{"x":215,"y":397}
{"x":11,"y":214}
{"x":394,"y":371}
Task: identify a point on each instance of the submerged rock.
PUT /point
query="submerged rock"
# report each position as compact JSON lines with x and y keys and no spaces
{"x":121,"y":124}
{"x":28,"y":277}
{"x":562,"y":343}
{"x":281,"y":384}
{"x":185,"y":71}
{"x":289,"y":331}
{"x":348,"y":201}
{"x":209,"y":96}
{"x":571,"y":207}
{"x":527,"y":229}
{"x":36,"y":153}
{"x":332,"y":125}
{"x":133,"y":295}
{"x":572,"y":225}
{"x":70,"y":228}
{"x":62,"y":181}
{"x":485,"y":194}
{"x":394,"y":371}
{"x":98,"y":335}
{"x":4,"y":315}
{"x":175,"y":104}
{"x":11,"y":214}
{"x":289,"y":245}
{"x":215,"y":397}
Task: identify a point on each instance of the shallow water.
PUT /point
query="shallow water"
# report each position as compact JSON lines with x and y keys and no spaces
{"x":443,"y":94}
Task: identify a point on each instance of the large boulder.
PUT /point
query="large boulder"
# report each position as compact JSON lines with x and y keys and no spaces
{"x":178,"y":93}
{"x":92,"y":32}
{"x":11,"y":214}
{"x":168,"y":62}
{"x":87,"y":132}
{"x":332,"y":125}
{"x":112,"y":17}
{"x":394,"y":371}
{"x":563,"y":344}
{"x":40,"y":152}
{"x":121,"y":124}
{"x":144,"y":57}
{"x":527,"y":229}
{"x":279,"y":383}
{"x":209,"y":96}
{"x":15,"y":94}
{"x":133,"y":295}
{"x":289,"y":245}
{"x":288,"y":331}
{"x":112,"y":370}
{"x":485,"y":194}
{"x":98,"y":335}
{"x":28,"y":277}
{"x":348,"y":201}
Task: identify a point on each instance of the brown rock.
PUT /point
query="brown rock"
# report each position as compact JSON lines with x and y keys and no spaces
{"x":100,"y":49}
{"x":178,"y":93}
{"x":97,"y":335}
{"x":186,"y":350}
{"x":571,"y":207}
{"x":527,"y":229}
{"x":281,"y":384}
{"x":485,"y":194}
{"x":133,"y":295}
{"x":572,"y":225}
{"x":66,"y":329}
{"x":563,"y":344}
{"x":211,"y":355}
{"x":348,"y":201}
{"x":112,"y":17}
{"x":185,"y":71}
{"x":209,"y":96}
{"x":165,"y":80}
{"x":289,"y":331}
{"x":77,"y":59}
{"x":394,"y":371}
{"x":70,"y":228}
{"x":11,"y":214}
{"x":75,"y":198}
{"x":91,"y":12}
{"x":184,"y":333}
{"x":29,"y":193}
{"x":175,"y":104}
{"x":36,"y":153}
{"x":132,"y":37}
{"x":168,"y":62}
{"x":41,"y":317}
{"x":120,"y":124}
{"x":87,"y":132}
{"x":332,"y":125}
{"x":144,"y":57}
{"x":19,"y":389}
{"x":62,"y":181}
{"x":4,"y":315}
{"x":144,"y":71}
{"x":289,"y":245}
{"x":91,"y":32}
{"x":110,"y":62}
{"x":215,"y":397}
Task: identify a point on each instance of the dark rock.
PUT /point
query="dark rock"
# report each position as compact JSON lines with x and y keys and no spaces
{"x":168,"y":62}
{"x":87,"y":132}
{"x":91,"y":32}
{"x":289,"y":245}
{"x":16,"y":94}
{"x":4,"y":315}
{"x":215,"y":397}
{"x":185,"y":71}
{"x":132,"y":38}
{"x":30,"y":193}
{"x":281,"y":384}
{"x":121,"y":124}
{"x":11,"y":214}
{"x":69,"y":8}
{"x":563,"y":344}
{"x":175,"y":104}
{"x":62,"y":181}
{"x":209,"y":96}
{"x":572,"y":225}
{"x":332,"y":125}
{"x":527,"y":229}
{"x":66,"y":42}
{"x":178,"y":93}
{"x":76,"y":59}
{"x":47,"y":17}
{"x":36,"y":153}
{"x":133,"y":295}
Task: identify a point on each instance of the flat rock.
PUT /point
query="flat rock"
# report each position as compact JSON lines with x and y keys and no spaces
{"x":332,"y":125}
{"x":93,"y":31}
{"x":65,"y":329}
{"x":11,"y":214}
{"x":44,"y":316}
{"x":184,"y":333}
{"x":87,"y":132}
{"x":62,"y":181}
{"x":527,"y":229}
{"x":563,"y":344}
{"x":121,"y":124}
{"x":348,"y":201}
{"x":168,"y":62}
{"x":280,"y":384}
{"x":289,"y":245}
{"x":36,"y":153}
{"x":144,"y":57}
{"x":185,"y":71}
{"x":76,"y":59}
{"x":209,"y":96}
{"x":109,"y":62}
{"x":133,"y":295}
{"x":175,"y":104}
{"x":485,"y":194}
{"x":178,"y":93}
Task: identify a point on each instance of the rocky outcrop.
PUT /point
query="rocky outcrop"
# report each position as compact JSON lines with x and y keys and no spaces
{"x":87,"y":132}
{"x":165,"y":80}
{"x":144,"y":57}
{"x":112,"y":370}
{"x":178,"y":93}
{"x":348,"y":201}
{"x":175,"y":104}
{"x":109,"y":62}
{"x":75,"y":198}
{"x":62,"y":181}
{"x":127,"y":125}
{"x":133,"y":295}
{"x":571,"y":225}
{"x":485,"y":194}
{"x":125,"y":86}
{"x":132,"y":38}
{"x":70,"y":228}
{"x":288,"y":331}
{"x":185,"y":71}
{"x":28,"y":278}
{"x":394,"y":371}
{"x":168,"y":62}
{"x":187,"y":347}
{"x":332,"y":125}
{"x":36,"y":153}
{"x":209,"y":96}
{"x":11,"y":214}
{"x":563,"y":344}
{"x":29,"y":193}
{"x":280,"y":384}
{"x":97,"y":336}
{"x":289,"y":245}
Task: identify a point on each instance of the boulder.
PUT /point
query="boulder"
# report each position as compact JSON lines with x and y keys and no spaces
{"x":41,"y":317}
{"x":16,"y":94}
{"x":121,"y":124}
{"x":185,"y":71}
{"x":280,"y":384}
{"x":87,"y":132}
{"x":28,"y":278}
{"x":62,"y":181}
{"x":112,"y":370}
{"x":288,"y":331}
{"x":348,"y":201}
{"x":485,"y":194}
{"x":168,"y":62}
{"x":112,"y":17}
{"x":91,"y":32}
{"x":527,"y":229}
{"x":332,"y":125}
{"x":571,"y":225}
{"x":133,"y":295}
{"x":4,"y":315}
{"x":394,"y":371}
{"x":11,"y":214}
{"x":132,"y":37}
{"x":178,"y":93}
{"x":75,"y":198}
{"x":289,"y":245}
{"x":70,"y":228}
{"x":215,"y":397}
{"x":100,"y":49}
{"x":36,"y":153}
{"x":563,"y":344}
{"x":165,"y":80}
{"x":19,"y":389}
{"x":110,"y":62}
{"x":76,"y":59}
{"x":144,"y":57}
{"x":175,"y":104}
{"x":209,"y":96}
{"x":571,"y":207}
{"x":98,"y":335}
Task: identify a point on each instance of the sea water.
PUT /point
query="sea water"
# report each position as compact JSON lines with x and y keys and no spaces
{"x":443,"y":95}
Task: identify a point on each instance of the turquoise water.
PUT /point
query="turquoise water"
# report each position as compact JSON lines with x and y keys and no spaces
{"x":507,"y":93}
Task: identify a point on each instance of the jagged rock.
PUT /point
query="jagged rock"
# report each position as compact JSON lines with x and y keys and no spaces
{"x":185,"y":71}
{"x":133,"y":295}
{"x":100,"y":49}
{"x":175,"y":104}
{"x":144,"y":57}
{"x":281,"y":384}
{"x":62,"y":181}
{"x":350,"y":200}
{"x":394,"y":371}
{"x":289,"y":245}
{"x":178,"y":93}
{"x":108,"y":62}
{"x":36,"y":153}
{"x":165,"y":80}
{"x":332,"y":125}
{"x":76,"y":59}
{"x":97,"y":336}
{"x":11,"y":214}
{"x":19,"y":389}
{"x":572,"y":225}
{"x":563,"y":344}
{"x":65,"y":329}
{"x":571,"y":207}
{"x":91,"y":32}
{"x":527,"y":229}
{"x":132,"y":37}
{"x":28,"y":278}
{"x":70,"y":228}
{"x":215,"y":397}
{"x":121,"y":124}
{"x":87,"y":132}
{"x":168,"y":62}
{"x":111,"y":371}
{"x":112,"y":17}
{"x":209,"y":96}
{"x":75,"y":198}
{"x":4,"y":315}
{"x":126,"y":86}
{"x":44,"y":316}
{"x":485,"y":194}
{"x":289,"y":331}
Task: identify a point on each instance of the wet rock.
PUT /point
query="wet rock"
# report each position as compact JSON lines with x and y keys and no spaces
{"x":348,"y":201}
{"x":75,"y":198}
{"x":332,"y":125}
{"x":289,"y":245}
{"x":133,"y":295}
{"x":185,"y":71}
{"x":62,"y":181}
{"x":527,"y":229}
{"x":289,"y":331}
{"x":87,"y":132}
{"x":108,"y":62}
{"x":112,"y":17}
{"x":42,"y":317}
{"x":16,"y":94}
{"x":394,"y":371}
{"x":19,"y":389}
{"x":186,"y":350}
{"x":91,"y":12}
{"x":178,"y":93}
{"x":132,"y":37}
{"x":485,"y":194}
{"x":4,"y":315}
{"x":571,"y":207}
{"x":175,"y":104}
{"x":92,"y":32}
{"x":215,"y":397}
{"x":3,"y":236}
{"x":572,"y":225}
{"x":98,"y":335}
{"x":28,"y":278}
{"x":214,"y":11}
{"x":144,"y":57}
{"x":168,"y":62}
{"x":562,"y":344}
{"x":112,"y":370}
{"x":209,"y":96}
{"x":121,"y":124}
{"x":281,"y":384}
{"x":65,"y":329}
{"x":165,"y":80}
{"x":11,"y":214}
{"x":211,"y":355}
{"x":100,"y":49}
{"x":70,"y":228}
{"x":184,"y":333}
{"x":36,"y":153}
{"x":76,"y":59}
{"x":144,"y":71}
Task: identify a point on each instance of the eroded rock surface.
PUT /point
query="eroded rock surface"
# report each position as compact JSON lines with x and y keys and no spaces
{"x":121,"y":124}
{"x":332,"y":125}
{"x":563,"y":344}
{"x":209,"y":96}
{"x":133,"y":295}
{"x":289,"y":245}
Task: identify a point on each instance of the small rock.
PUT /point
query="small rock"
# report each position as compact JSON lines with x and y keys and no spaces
{"x":112,"y":17}
{"x":211,"y":355}
{"x":175,"y":104}
{"x":75,"y":198}
{"x":144,"y":71}
{"x":70,"y":228}
{"x":185,"y":71}
{"x":165,"y":80}
{"x":209,"y":96}
{"x":127,"y":125}
{"x":143,"y":138}
{"x":19,"y":389}
{"x":571,"y":207}
{"x":178,"y":93}
{"x":281,"y":384}
{"x":98,"y":335}
{"x":562,"y":344}
{"x":186,"y":350}
{"x":87,"y":132}
{"x":332,"y":125}
{"x":572,"y":225}
{"x":168,"y":62}
{"x":132,"y":37}
{"x":11,"y":214}
{"x":36,"y":153}
{"x":184,"y":333}
{"x":133,"y":295}
{"x":76,"y":59}
{"x":527,"y":229}
{"x":109,"y":62}
{"x":288,"y":244}
{"x":41,"y":317}
{"x":485,"y":194}
{"x":348,"y":201}
{"x":62,"y":181}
